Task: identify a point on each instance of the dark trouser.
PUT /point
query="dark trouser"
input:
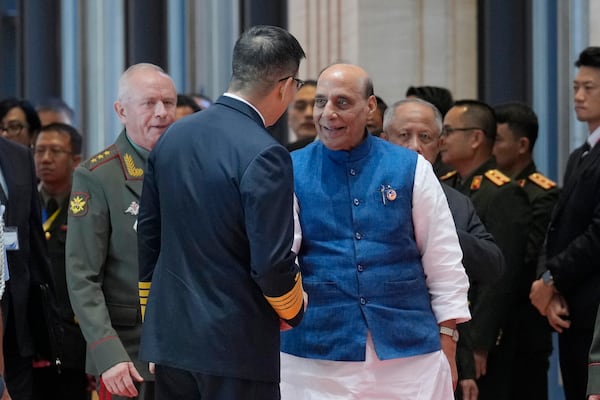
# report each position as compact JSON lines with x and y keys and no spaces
{"x":532,"y":358}
{"x":497,"y":384}
{"x":18,"y":370}
{"x":174,"y":383}
{"x":574,"y":350}
{"x":69,"y":384}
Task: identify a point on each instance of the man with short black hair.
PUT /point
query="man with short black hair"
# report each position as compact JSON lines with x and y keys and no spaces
{"x":216,"y":231}
{"x":300,"y":116}
{"x":513,"y":150}
{"x":56,"y":153}
{"x":466,"y":145}
{"x":567,"y":292}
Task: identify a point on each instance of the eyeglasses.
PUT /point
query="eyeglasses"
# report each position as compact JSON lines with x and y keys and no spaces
{"x":446,"y":131}
{"x":12,"y":129}
{"x":299,"y":82}
{"x":40,"y":151}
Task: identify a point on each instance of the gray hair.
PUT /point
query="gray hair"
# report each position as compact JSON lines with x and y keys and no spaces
{"x":389,"y":115}
{"x":125,"y":77}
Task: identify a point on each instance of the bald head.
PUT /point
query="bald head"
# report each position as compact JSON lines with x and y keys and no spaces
{"x":343,"y":102}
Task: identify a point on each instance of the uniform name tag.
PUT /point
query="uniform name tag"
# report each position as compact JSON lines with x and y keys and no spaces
{"x":11,"y":238}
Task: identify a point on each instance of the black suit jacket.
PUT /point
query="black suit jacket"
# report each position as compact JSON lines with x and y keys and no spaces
{"x":29,"y":265}
{"x":572,"y":250}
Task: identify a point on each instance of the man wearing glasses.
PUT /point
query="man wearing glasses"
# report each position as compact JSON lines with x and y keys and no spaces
{"x":215,"y":235}
{"x":19,"y":121}
{"x":467,"y":141}
{"x":57,"y":152}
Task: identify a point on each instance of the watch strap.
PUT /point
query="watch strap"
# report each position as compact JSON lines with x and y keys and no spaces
{"x":453,"y":333}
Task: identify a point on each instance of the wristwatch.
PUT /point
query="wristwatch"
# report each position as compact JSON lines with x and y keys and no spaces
{"x":547,"y":278}
{"x":453,"y":333}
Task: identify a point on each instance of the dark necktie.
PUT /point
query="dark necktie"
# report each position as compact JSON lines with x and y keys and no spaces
{"x":51,"y":206}
{"x":585,"y":151}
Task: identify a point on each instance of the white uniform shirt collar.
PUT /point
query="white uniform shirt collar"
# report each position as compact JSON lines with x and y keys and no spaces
{"x":233,"y":96}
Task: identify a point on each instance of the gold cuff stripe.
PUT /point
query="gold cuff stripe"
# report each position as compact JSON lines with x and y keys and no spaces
{"x":144,"y":291}
{"x":288,"y":305}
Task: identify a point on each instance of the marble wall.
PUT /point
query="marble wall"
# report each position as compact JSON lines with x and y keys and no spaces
{"x":399,"y":42}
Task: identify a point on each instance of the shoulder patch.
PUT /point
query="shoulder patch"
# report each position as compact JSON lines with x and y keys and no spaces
{"x":497,"y":177}
{"x":78,"y":204}
{"x":101,"y":158}
{"x":476,"y":182}
{"x":448,"y":175}
{"x":542,"y":181}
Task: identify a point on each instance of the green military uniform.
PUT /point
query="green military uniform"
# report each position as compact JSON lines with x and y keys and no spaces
{"x":594,"y":367}
{"x":534,"y":335}
{"x":504,"y":209}
{"x":102,"y":263}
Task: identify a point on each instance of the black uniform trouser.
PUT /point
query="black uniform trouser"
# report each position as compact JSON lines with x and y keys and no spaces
{"x":174,"y":383}
{"x":18,"y":370}
{"x":574,"y":350}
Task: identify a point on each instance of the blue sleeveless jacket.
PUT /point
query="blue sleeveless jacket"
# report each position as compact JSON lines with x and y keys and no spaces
{"x":360,"y":264}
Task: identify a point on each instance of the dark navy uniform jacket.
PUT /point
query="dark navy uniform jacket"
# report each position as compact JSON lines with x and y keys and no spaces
{"x":215,"y":235}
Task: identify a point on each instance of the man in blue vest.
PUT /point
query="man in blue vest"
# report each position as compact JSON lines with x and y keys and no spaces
{"x":380,"y":259}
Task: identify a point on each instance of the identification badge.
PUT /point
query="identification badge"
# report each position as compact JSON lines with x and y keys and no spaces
{"x":11,"y":238}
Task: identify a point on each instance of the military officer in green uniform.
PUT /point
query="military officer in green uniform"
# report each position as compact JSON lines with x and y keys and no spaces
{"x":466,"y":145}
{"x":102,"y":266}
{"x":513,"y":149}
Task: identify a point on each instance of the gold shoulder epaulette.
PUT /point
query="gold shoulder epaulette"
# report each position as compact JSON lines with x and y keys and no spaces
{"x":101,"y":158}
{"x":497,"y":177}
{"x":542,"y":181}
{"x":448,"y":175}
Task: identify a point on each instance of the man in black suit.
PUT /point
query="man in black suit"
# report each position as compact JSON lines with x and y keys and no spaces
{"x":567,"y":292}
{"x":215,"y":233}
{"x":28,"y":266}
{"x":56,"y":152}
